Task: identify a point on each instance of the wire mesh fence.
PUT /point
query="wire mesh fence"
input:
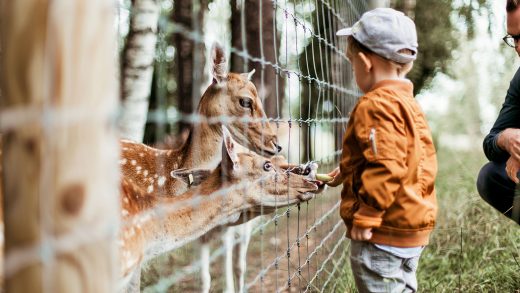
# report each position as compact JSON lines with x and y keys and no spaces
{"x":304,"y":80}
{"x":306,"y":89}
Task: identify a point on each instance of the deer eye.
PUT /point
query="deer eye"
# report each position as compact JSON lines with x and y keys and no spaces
{"x":246,"y":103}
{"x":268,"y":166}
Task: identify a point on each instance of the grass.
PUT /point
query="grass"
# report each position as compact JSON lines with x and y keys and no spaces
{"x":473,"y":248}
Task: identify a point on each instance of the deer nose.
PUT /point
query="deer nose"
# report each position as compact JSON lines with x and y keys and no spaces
{"x":278,"y":147}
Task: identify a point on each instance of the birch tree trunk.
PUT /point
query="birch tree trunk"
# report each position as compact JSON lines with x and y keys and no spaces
{"x":137,"y":68}
{"x":60,"y":171}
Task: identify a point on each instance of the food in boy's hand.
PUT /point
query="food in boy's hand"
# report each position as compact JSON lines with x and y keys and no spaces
{"x":324,"y":177}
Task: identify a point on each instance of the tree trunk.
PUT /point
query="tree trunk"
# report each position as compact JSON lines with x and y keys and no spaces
{"x":255,"y":22}
{"x":137,"y":68}
{"x":59,"y":145}
{"x":190,"y":57}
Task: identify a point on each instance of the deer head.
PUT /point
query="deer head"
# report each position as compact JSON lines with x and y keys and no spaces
{"x":268,"y":185}
{"x":234,"y":95}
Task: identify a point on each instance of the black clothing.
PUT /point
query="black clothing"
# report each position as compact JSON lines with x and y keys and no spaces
{"x":493,"y":184}
{"x":509,"y":117}
{"x":495,"y":187}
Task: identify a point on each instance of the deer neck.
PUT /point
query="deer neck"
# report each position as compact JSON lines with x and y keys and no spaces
{"x":202,"y":149}
{"x":194,"y":213}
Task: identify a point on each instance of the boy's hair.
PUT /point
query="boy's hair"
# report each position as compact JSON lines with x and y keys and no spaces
{"x":354,"y":47}
{"x":512,"y":5}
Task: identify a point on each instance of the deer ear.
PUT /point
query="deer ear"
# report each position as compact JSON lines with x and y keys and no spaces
{"x":219,"y":63}
{"x":229,"y":150}
{"x":248,"y":75}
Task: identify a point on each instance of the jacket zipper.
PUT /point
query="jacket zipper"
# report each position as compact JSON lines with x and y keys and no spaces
{"x":372,"y":138}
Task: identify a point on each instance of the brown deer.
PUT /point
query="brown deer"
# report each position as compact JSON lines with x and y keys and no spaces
{"x":230,"y":95}
{"x":242,"y":182}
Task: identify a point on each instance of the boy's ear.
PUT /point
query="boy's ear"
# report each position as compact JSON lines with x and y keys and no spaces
{"x":366,"y":61}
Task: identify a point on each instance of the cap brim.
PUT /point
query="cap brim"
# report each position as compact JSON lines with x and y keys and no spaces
{"x":344,"y":32}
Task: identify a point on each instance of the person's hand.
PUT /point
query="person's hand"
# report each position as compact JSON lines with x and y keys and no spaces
{"x":336,"y":174}
{"x":509,"y":140}
{"x":512,"y":168}
{"x":361,"y":234}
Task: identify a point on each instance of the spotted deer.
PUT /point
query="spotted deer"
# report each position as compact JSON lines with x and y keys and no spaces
{"x":242,"y":182}
{"x":229,"y":95}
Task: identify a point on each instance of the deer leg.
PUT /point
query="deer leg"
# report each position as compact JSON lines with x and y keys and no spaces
{"x":205,"y":267}
{"x":228,"y":238}
{"x":241,"y":261}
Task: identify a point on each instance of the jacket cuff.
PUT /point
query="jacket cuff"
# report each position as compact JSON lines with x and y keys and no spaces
{"x":496,"y":148}
{"x":368,"y":217}
{"x":498,"y":152}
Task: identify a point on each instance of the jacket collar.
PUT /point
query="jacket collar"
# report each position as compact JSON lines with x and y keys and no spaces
{"x":404,"y":85}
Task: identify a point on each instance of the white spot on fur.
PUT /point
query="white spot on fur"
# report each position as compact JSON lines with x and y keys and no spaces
{"x":133,"y":162}
{"x":145,"y":173}
{"x":175,"y":166}
{"x":161,"y":181}
{"x":141,"y":155}
{"x":124,"y":212}
{"x":156,"y":154}
{"x":122,"y":162}
{"x":125,"y":149}
{"x":155,"y":176}
{"x":138,"y":168}
{"x":150,"y":189}
{"x":125,"y":200}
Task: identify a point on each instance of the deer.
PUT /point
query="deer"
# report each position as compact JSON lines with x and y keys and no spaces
{"x":229,"y":95}
{"x":243,"y":182}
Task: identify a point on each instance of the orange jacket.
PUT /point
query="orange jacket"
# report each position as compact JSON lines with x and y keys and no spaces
{"x":388,"y":167}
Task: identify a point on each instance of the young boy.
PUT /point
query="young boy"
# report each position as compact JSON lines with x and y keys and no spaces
{"x":388,"y":164}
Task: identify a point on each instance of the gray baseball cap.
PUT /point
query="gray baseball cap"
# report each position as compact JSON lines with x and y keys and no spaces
{"x":385,"y":31}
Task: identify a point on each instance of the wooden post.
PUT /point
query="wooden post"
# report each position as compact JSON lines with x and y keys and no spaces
{"x":60,"y":171}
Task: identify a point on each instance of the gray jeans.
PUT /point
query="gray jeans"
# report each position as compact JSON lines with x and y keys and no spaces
{"x":376,"y":270}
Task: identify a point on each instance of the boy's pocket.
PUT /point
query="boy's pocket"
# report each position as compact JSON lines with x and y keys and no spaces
{"x":383,"y":262}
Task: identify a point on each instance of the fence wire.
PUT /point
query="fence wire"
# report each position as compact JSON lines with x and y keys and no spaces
{"x":296,"y":248}
{"x":295,"y":244}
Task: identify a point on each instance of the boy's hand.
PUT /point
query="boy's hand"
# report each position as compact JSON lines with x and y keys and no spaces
{"x":336,"y":174}
{"x":361,"y":234}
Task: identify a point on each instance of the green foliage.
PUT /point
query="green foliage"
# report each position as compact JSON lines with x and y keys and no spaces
{"x":437,"y":39}
{"x":438,"y":35}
